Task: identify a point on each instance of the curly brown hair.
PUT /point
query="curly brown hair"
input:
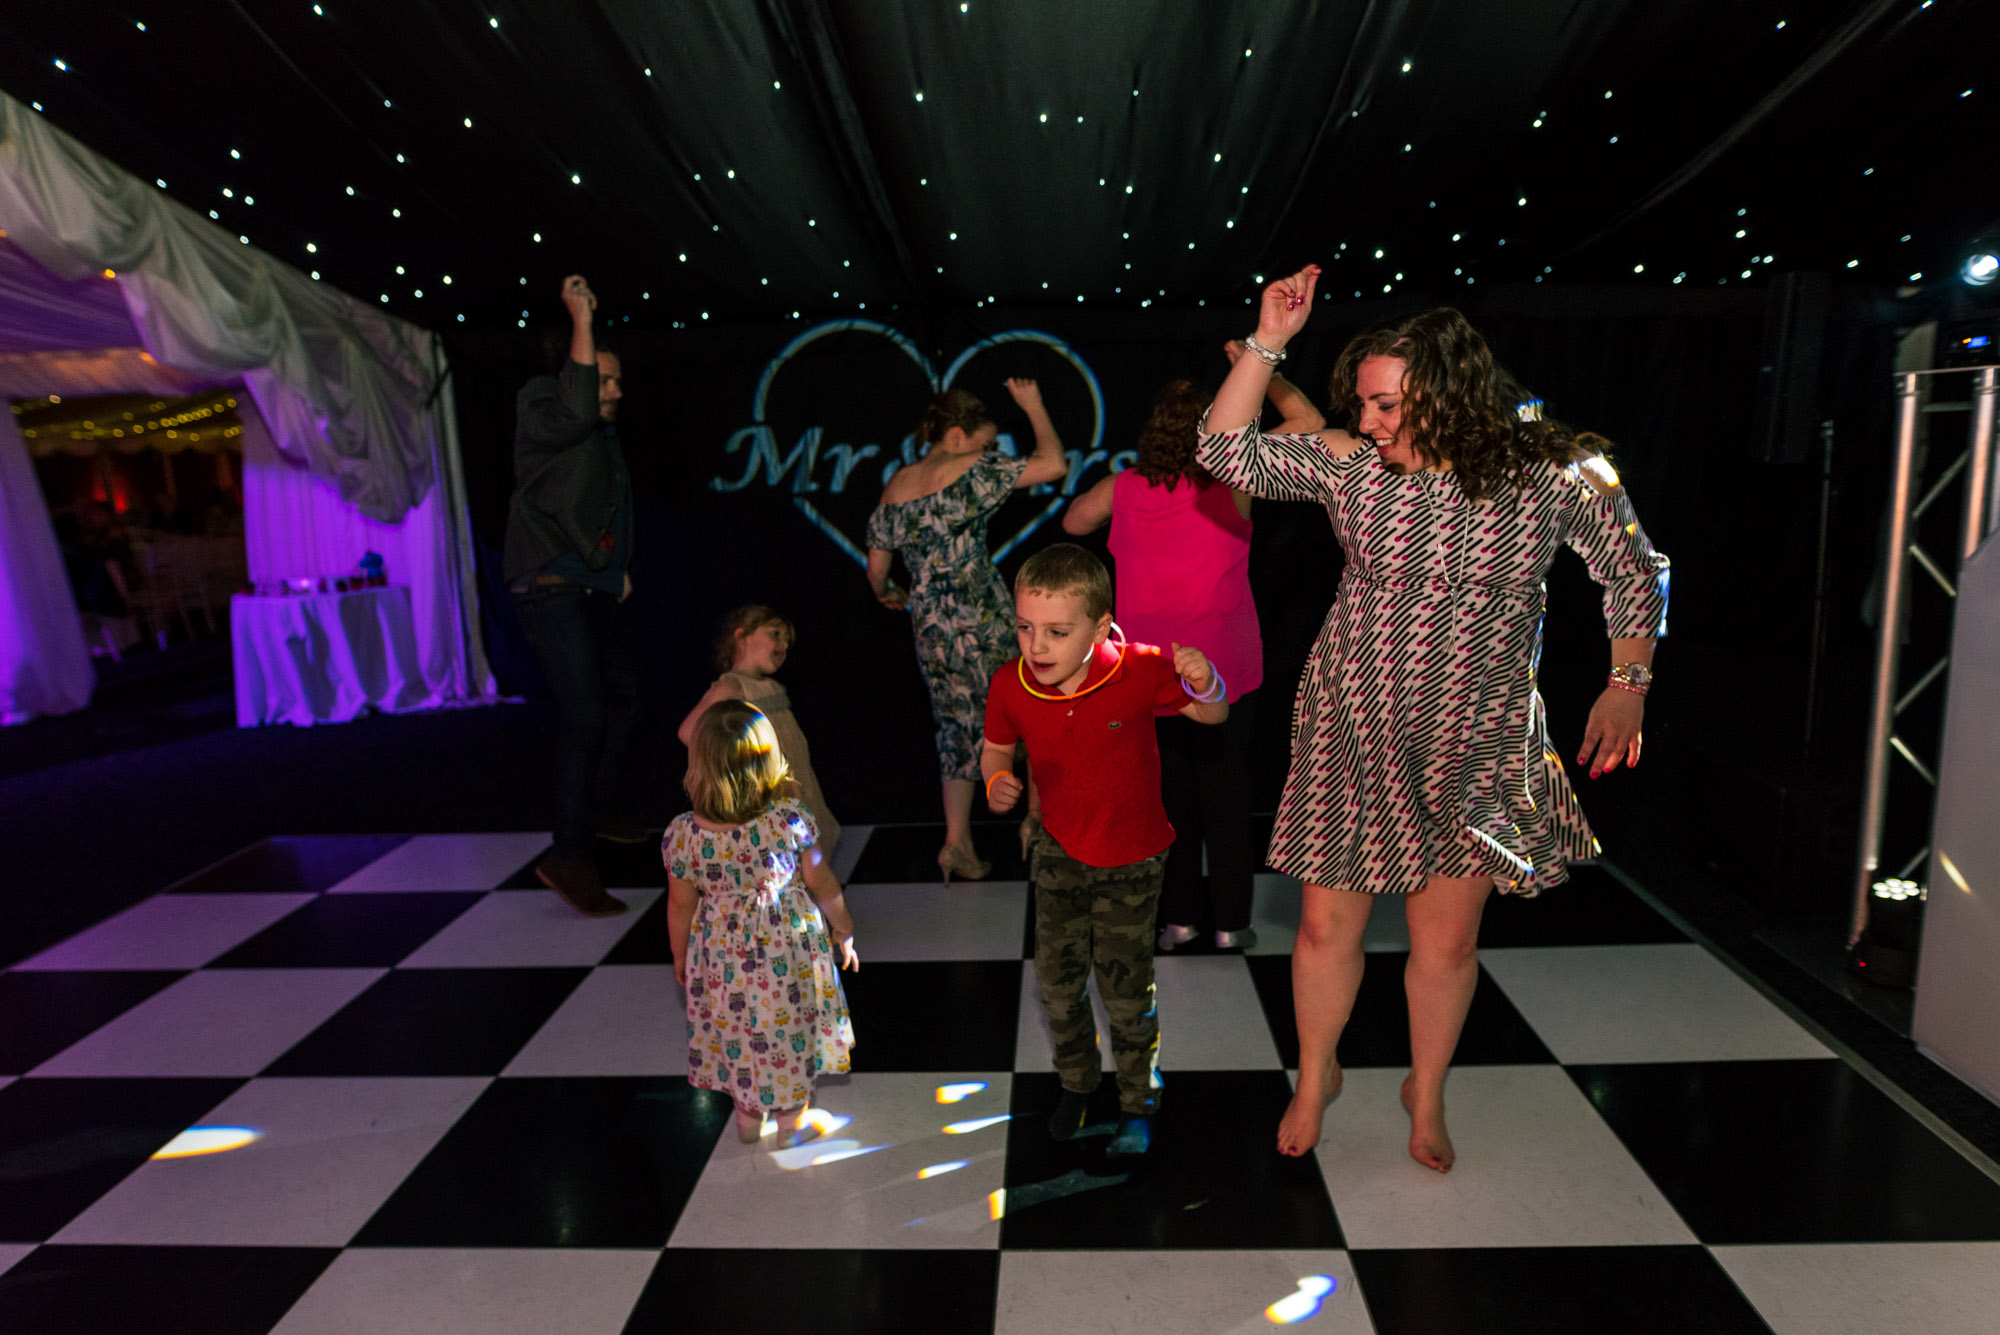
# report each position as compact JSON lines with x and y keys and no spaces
{"x":1167,"y":441}
{"x":953,"y":408}
{"x":1456,"y":403}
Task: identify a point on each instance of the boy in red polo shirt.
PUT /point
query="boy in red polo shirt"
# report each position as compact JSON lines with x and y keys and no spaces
{"x":1085,"y":709}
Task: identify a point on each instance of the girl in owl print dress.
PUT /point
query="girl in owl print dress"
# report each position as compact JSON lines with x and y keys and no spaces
{"x":755,"y":919}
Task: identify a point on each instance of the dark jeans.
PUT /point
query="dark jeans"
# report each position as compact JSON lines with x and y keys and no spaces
{"x":1205,"y":786}
{"x":590,"y":657}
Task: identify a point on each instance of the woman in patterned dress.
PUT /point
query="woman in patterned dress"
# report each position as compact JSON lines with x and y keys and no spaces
{"x":757,"y":925}
{"x":935,"y":513}
{"x":1421,"y":764}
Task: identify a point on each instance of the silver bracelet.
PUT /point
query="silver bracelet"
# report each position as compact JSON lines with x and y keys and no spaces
{"x":1269,"y":356}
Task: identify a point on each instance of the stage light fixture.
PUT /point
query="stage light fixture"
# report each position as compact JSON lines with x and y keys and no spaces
{"x":1980,"y":268}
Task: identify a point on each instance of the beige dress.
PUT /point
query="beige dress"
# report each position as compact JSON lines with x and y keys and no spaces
{"x":772,"y":699}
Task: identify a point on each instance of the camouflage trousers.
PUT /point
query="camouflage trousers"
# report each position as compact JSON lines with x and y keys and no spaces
{"x":1101,"y":916}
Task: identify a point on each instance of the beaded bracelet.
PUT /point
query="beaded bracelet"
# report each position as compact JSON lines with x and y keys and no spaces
{"x":1269,"y":356}
{"x":1624,"y":685}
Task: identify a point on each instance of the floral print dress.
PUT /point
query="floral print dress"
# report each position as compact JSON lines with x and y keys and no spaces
{"x":959,"y":605}
{"x":765,"y":1010}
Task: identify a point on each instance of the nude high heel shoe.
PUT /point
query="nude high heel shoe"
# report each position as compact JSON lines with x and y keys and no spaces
{"x":963,"y":863}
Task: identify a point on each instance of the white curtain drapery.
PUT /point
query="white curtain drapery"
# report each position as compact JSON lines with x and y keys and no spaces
{"x":354,"y":398}
{"x":44,"y":663}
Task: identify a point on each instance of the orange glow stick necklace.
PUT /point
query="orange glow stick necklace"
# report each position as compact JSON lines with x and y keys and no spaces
{"x":1028,"y":685}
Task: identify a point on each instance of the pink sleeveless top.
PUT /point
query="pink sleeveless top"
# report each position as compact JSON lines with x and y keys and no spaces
{"x":1184,"y":574}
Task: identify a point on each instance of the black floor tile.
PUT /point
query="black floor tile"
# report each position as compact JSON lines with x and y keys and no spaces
{"x":433,"y":1022}
{"x":957,"y":1015}
{"x":43,"y":1013}
{"x":908,"y":853}
{"x":210,"y":1290}
{"x":350,"y":931}
{"x":646,"y":941}
{"x":64,"y":1143}
{"x":1590,"y":909}
{"x":1378,"y":1031}
{"x":1552,"y":1291}
{"x":623,"y":866}
{"x":569,"y":1162}
{"x":1213,"y":1179}
{"x":292,"y":864}
{"x":701,"y":1292}
{"x":1790,"y":1152}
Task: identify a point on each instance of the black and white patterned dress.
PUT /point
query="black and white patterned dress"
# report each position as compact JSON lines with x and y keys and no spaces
{"x":1419,"y":745}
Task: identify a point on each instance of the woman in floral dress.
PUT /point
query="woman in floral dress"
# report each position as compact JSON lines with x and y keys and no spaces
{"x":1421,"y":763}
{"x":754,"y":918}
{"x":935,"y":512}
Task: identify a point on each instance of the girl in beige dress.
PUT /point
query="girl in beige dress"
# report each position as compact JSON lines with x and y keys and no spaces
{"x":750,"y":650}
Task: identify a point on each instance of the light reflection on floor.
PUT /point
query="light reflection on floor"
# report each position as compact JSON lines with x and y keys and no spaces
{"x":1303,"y":1304}
{"x":963,"y":1090}
{"x":198,"y":1140}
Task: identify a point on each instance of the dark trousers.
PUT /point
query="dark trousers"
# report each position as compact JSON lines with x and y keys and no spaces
{"x":590,"y":657}
{"x":1205,"y":787}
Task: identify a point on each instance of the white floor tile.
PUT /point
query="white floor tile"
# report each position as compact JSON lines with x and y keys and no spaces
{"x":985,"y":920}
{"x":447,"y":862}
{"x":1662,"y":1003}
{"x":331,"y":1151}
{"x":527,"y":929}
{"x":861,"y":1185}
{"x":484,"y":1291}
{"x":11,"y":1254}
{"x":1274,"y":912}
{"x":1940,"y":1288}
{"x":624,"y":1019}
{"x":853,"y":838}
{"x":215,"y":1022}
{"x":1210,"y":1018}
{"x":1166,"y":1293}
{"x":1536,"y":1167}
{"x":168,"y":932}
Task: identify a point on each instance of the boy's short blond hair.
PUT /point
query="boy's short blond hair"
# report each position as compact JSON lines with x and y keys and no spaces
{"x":1068,"y":568}
{"x":736,"y":770}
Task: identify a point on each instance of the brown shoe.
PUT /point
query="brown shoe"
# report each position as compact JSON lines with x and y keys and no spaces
{"x":578,"y":884}
{"x":613,"y":830}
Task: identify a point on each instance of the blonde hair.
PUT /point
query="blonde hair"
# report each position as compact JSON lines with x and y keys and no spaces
{"x":1068,"y":568}
{"x":747,"y":620}
{"x":737,"y":770}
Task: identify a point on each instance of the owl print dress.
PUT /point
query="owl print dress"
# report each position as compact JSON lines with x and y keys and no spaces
{"x":1419,"y":743}
{"x":765,"y":1010}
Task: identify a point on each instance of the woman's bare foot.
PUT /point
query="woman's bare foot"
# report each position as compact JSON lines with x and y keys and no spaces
{"x":1299,"y":1129}
{"x":1430,"y":1143}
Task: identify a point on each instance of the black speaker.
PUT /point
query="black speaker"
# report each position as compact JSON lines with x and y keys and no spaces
{"x":1787,"y":413}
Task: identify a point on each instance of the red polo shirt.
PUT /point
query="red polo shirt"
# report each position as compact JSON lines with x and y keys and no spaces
{"x":1095,"y":759}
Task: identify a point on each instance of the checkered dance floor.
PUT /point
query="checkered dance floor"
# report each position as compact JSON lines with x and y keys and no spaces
{"x":381,"y":1085}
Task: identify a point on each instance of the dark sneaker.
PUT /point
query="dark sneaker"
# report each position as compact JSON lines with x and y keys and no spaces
{"x":1134,"y":1137}
{"x":1067,"y":1119}
{"x":578,"y":884}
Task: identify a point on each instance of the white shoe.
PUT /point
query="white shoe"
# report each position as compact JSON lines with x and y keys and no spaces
{"x":1173,"y":935}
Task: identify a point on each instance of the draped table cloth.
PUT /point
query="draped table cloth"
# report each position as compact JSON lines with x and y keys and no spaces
{"x":324,"y":657}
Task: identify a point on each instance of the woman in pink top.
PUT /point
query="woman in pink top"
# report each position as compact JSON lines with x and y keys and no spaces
{"x":1182,"y":545}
